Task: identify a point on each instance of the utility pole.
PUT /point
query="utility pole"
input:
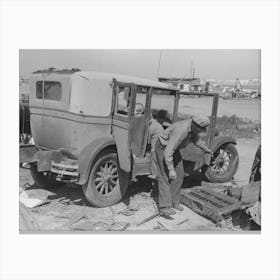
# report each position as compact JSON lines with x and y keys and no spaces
{"x":191,"y":69}
{"x":159,"y":61}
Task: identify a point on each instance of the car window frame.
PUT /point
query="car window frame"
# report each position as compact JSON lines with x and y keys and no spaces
{"x":43,"y":97}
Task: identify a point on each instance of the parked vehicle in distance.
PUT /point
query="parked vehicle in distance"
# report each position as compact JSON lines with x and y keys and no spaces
{"x":91,"y":129}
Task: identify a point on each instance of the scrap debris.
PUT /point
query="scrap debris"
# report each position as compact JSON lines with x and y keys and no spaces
{"x":31,"y":202}
{"x":182,"y":222}
{"x":120,"y":226}
{"x":27,"y":222}
{"x":100,"y":226}
{"x":255,"y":212}
{"x":251,"y":193}
{"x":148,"y":219}
{"x":90,"y":226}
{"x":84,"y":222}
{"x":128,"y":211}
{"x":208,"y":203}
{"x":160,"y":226}
{"x":75,"y":220}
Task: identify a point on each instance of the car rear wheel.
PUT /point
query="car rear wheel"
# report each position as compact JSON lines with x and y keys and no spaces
{"x":107,"y":183}
{"x":44,"y":180}
{"x":224,"y":164}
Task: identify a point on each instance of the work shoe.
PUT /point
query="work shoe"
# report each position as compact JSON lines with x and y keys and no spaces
{"x":167,"y":211}
{"x":178,"y":207}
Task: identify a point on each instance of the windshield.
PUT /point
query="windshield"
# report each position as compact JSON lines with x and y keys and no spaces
{"x":190,"y":105}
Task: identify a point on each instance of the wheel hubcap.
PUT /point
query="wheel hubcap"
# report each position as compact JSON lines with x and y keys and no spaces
{"x":221,"y":163}
{"x":106,"y":178}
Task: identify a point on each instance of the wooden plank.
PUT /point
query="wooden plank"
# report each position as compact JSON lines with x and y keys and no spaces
{"x":219,"y":195}
{"x":215,"y":199}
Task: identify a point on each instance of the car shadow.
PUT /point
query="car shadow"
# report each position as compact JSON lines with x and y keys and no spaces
{"x":73,"y":194}
{"x":142,"y":185}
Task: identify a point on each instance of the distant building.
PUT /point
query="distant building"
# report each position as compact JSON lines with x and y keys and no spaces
{"x":186,"y":84}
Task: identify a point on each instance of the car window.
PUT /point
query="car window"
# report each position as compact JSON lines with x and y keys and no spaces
{"x":140,"y":102}
{"x":52,"y":90}
{"x":123,"y":94}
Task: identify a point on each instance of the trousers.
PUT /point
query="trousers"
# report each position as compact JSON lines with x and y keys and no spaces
{"x":169,"y":190}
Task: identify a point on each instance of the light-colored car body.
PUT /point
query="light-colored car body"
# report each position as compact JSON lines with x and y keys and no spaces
{"x":78,"y":122}
{"x":84,"y":112}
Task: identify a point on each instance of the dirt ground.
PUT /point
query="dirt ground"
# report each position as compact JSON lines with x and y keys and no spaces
{"x":68,"y":209}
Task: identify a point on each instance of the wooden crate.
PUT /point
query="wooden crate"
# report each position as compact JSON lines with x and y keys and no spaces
{"x":209,"y":204}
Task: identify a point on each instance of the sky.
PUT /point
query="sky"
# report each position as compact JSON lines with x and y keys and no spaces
{"x":209,"y":64}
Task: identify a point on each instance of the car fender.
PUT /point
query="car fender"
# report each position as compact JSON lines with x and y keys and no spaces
{"x":218,"y":141}
{"x":88,"y":155}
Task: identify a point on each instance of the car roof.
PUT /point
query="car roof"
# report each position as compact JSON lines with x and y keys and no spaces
{"x":92,"y":75}
{"x":124,"y":79}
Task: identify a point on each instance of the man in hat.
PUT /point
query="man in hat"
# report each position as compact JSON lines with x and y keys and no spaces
{"x":170,"y":170}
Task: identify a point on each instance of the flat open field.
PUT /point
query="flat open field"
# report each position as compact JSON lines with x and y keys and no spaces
{"x":247,"y":109}
{"x":243,"y":108}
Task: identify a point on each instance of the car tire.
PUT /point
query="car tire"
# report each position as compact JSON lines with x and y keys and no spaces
{"x":224,"y":165}
{"x":45,"y":180}
{"x":107,"y":182}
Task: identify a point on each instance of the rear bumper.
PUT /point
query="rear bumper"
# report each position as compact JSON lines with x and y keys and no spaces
{"x":50,"y":161}
{"x":67,"y":167}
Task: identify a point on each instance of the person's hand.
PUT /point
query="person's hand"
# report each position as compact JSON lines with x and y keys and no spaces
{"x":198,"y":165}
{"x":172,"y":175}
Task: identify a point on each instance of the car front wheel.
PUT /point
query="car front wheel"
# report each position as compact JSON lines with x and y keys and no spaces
{"x":223,"y":165}
{"x":107,"y":183}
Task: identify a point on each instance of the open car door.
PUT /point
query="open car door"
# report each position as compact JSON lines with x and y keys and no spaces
{"x":139,"y":121}
{"x":122,"y":93}
{"x":130,"y":122}
{"x":139,"y":130}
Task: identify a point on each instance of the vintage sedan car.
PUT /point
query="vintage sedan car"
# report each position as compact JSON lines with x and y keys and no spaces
{"x":91,"y":129}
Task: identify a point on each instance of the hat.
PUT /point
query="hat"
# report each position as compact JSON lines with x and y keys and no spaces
{"x":201,"y":121}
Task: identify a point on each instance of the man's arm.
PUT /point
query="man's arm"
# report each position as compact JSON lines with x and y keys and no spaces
{"x":200,"y":144}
